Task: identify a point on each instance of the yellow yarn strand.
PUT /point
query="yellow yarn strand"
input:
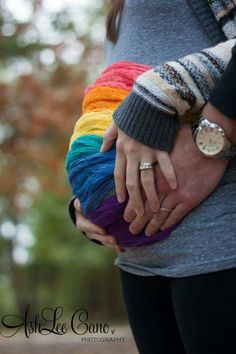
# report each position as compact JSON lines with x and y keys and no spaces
{"x":92,"y":123}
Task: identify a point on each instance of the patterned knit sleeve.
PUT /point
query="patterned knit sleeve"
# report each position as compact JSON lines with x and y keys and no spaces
{"x":162,"y":96}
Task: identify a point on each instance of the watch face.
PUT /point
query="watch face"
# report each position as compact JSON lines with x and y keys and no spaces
{"x":210,"y":141}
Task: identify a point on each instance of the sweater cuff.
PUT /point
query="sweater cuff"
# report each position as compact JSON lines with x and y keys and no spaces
{"x":146,"y":123}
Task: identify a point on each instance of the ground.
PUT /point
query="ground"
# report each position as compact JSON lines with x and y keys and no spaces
{"x":70,"y":343}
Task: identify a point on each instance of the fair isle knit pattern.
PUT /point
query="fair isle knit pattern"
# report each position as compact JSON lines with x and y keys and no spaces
{"x":188,"y":81}
{"x":172,"y":89}
{"x":225,"y":14}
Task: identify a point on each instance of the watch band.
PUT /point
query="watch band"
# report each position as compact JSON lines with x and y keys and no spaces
{"x":195,"y":124}
{"x":228,"y":154}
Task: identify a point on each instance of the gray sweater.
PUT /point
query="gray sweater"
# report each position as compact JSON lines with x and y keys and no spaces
{"x":170,"y":28}
{"x":152,"y":32}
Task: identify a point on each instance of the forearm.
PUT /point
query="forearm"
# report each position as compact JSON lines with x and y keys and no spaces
{"x":161,"y":95}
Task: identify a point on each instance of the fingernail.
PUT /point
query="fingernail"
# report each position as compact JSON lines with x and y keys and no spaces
{"x":173,"y":185}
{"x":77,"y":203}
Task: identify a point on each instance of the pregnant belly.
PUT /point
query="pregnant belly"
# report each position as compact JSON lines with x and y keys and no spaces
{"x":90,"y":171}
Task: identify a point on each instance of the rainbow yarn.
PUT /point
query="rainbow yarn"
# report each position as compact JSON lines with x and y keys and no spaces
{"x":91,"y":171}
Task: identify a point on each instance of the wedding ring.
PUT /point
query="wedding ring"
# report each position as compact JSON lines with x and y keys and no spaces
{"x":168,"y":210}
{"x":146,"y":165}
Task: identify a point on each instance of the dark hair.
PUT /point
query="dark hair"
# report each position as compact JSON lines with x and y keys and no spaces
{"x":115,"y":9}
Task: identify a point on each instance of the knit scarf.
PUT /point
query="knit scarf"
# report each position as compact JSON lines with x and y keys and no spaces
{"x":90,"y":171}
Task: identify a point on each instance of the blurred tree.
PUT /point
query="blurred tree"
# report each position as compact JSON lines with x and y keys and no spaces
{"x":81,"y":272}
{"x":43,"y":75}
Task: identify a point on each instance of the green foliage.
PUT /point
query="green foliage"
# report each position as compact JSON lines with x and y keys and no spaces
{"x":38,"y":107}
{"x":70,"y":269}
{"x":58,"y":241}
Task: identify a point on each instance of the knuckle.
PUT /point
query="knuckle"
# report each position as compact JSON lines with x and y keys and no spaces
{"x":130,"y":185}
{"x":189,"y":204}
{"x":107,"y":135}
{"x":117,"y":175}
{"x":190,"y":199}
{"x":157,"y":218}
{"x":130,"y":149}
{"x":119,"y":146}
{"x":128,"y":218}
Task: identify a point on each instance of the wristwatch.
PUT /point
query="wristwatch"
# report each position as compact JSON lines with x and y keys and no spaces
{"x":212,"y":140}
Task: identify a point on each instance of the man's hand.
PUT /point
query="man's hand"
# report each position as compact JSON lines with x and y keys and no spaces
{"x":197,"y":177}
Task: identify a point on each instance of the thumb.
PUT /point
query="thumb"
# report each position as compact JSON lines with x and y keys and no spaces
{"x":77,"y":204}
{"x":109,"y":137}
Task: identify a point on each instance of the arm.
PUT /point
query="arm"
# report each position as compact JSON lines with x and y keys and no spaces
{"x":147,"y":118}
{"x":161,"y":95}
{"x":223,"y":96}
{"x":221,"y":106}
{"x":222,"y":101}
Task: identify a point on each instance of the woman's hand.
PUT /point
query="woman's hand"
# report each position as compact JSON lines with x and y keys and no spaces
{"x":92,"y":231}
{"x":129,"y":155}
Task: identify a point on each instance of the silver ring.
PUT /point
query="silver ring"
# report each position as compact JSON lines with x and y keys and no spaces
{"x":168,"y":210}
{"x":146,"y":165}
